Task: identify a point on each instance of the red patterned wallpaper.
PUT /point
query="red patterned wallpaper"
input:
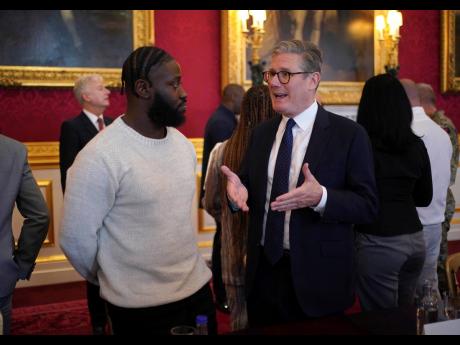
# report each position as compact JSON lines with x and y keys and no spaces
{"x":193,"y":37}
{"x":419,"y":56}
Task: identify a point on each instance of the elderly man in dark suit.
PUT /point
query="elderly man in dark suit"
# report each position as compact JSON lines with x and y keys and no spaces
{"x":75,"y":134}
{"x":18,"y":186}
{"x":308,"y":176}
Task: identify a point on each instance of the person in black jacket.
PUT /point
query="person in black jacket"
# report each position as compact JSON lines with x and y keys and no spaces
{"x":390,"y":252}
{"x":91,"y":93}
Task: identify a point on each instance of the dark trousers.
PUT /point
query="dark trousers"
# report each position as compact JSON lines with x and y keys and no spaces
{"x":272,"y":299}
{"x":96,"y":306}
{"x":217,"y":283}
{"x":160,"y":319}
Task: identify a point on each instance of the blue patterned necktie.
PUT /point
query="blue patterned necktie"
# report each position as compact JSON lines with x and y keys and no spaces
{"x":274,"y":230}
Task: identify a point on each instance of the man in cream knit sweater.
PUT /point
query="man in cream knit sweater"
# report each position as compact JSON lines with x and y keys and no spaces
{"x":126,"y":220}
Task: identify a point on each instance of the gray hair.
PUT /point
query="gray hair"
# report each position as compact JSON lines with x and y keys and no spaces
{"x":426,"y":93}
{"x":310,"y":53}
{"x":81,"y":83}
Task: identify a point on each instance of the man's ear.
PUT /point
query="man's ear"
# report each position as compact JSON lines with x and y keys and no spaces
{"x":143,"y":88}
{"x":85,"y":97}
{"x":315,"y":78}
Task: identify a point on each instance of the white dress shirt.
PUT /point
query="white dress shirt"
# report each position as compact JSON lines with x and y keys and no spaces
{"x":301,"y":133}
{"x":439,"y":149}
{"x":93,"y":118}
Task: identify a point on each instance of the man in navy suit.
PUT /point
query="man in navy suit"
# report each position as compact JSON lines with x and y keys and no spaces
{"x":301,"y":265}
{"x":75,"y":134}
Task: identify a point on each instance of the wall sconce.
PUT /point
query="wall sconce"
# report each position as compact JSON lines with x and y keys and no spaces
{"x":387,"y":26}
{"x":252,"y":27}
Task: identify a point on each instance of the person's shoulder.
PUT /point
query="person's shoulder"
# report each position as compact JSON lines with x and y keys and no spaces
{"x":445,"y":121}
{"x":73,"y":121}
{"x":12,"y":144}
{"x":416,"y":145}
{"x":179,"y":137}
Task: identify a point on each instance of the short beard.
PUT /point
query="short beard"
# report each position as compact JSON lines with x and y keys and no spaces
{"x":163,"y":114}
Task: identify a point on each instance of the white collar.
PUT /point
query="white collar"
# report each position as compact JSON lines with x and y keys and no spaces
{"x":419,"y":114}
{"x":92,"y":116}
{"x":306,"y":118}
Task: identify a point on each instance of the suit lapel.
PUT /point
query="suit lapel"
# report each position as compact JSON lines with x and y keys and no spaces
{"x":318,"y":141}
{"x":87,"y":125}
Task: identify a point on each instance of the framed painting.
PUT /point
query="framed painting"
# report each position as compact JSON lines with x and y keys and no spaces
{"x":54,"y":47}
{"x":450,"y":50}
{"x":347,"y":38}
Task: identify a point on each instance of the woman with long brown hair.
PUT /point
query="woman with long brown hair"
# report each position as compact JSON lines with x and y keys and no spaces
{"x":256,"y":107}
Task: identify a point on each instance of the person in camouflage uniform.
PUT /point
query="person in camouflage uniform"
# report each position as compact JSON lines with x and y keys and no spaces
{"x":428,"y":100}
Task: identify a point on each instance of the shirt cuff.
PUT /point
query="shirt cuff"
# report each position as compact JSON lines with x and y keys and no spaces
{"x":322,"y":203}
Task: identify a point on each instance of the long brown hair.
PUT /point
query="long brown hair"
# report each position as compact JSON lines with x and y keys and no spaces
{"x":255,"y":108}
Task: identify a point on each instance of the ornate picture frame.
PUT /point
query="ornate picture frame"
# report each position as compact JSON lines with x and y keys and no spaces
{"x":450,"y":42}
{"x":234,"y":63}
{"x":64,"y":76}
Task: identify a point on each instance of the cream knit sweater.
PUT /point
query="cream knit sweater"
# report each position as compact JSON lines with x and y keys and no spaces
{"x":126,"y":221}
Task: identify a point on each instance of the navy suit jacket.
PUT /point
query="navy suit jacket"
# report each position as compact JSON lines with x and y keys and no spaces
{"x":219,"y":128}
{"x":321,"y":247}
{"x":75,"y":134}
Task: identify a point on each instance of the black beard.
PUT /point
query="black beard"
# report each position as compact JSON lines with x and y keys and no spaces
{"x":163,"y":114}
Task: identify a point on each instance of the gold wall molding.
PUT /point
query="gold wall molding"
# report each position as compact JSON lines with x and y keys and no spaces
{"x":198,"y":144}
{"x":205,"y":244}
{"x":51,"y":258}
{"x":45,"y":154}
{"x":48,"y":185}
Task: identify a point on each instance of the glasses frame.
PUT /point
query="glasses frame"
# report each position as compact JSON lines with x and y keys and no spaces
{"x":270,"y":75}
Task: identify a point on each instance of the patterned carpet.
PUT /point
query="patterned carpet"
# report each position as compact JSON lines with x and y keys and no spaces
{"x":67,"y":318}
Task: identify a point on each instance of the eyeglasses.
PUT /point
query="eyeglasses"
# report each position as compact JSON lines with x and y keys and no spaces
{"x":283,"y":76}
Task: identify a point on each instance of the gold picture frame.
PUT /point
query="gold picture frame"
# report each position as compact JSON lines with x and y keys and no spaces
{"x":233,"y":67}
{"x":19,"y":76}
{"x":450,"y":61}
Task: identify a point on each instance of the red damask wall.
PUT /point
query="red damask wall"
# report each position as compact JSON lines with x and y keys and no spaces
{"x":193,"y":37}
{"x":419,"y":56}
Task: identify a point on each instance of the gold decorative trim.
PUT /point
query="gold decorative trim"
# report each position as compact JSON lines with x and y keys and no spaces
{"x":449,"y":81}
{"x":48,"y":184}
{"x":143,"y":34}
{"x":43,"y":155}
{"x":198,"y":144}
{"x":51,"y":258}
{"x":233,"y":67}
{"x":205,"y":244}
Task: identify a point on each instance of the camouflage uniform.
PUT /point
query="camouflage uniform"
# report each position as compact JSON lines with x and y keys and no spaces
{"x":446,"y":124}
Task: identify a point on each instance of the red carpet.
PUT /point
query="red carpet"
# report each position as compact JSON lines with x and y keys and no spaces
{"x":70,"y":318}
{"x":67,"y":318}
